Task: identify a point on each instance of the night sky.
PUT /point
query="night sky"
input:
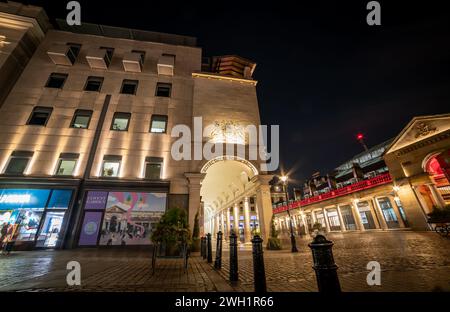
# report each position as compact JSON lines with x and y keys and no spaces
{"x":324,"y":74}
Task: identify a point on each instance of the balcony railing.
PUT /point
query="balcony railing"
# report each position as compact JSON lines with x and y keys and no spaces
{"x":352,"y":188}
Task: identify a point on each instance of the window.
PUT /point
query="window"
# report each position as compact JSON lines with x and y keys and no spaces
{"x":158,"y":124}
{"x":40,"y":116}
{"x":153,"y":167}
{"x":142,"y":53}
{"x":18,"y":162}
{"x":129,"y":86}
{"x":120,"y":121}
{"x":66,"y":164}
{"x":163,"y":89}
{"x":74,"y":50}
{"x":109,"y":55}
{"x":111,"y":166}
{"x":93,"y":83}
{"x":56,"y":80}
{"x":81,"y":119}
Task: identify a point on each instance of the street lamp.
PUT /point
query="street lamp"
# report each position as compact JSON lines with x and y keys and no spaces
{"x":284,"y":179}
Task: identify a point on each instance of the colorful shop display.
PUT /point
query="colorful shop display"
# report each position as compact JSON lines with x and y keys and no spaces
{"x":120,"y":218}
{"x":37,"y":214}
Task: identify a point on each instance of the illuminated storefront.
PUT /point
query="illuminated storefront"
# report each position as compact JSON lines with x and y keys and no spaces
{"x":114,"y":218}
{"x":35,"y":217}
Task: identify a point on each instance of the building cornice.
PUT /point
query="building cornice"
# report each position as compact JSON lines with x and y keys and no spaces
{"x":226,"y":78}
{"x":417,"y":145}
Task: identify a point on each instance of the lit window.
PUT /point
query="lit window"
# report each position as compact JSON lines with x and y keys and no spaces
{"x":40,"y":116}
{"x":129,"y":86}
{"x":56,"y":80}
{"x":158,"y":124}
{"x":93,"y":83}
{"x":66,"y":166}
{"x":81,"y":119}
{"x":163,"y":89}
{"x":153,"y":167}
{"x":18,"y":162}
{"x":120,"y":121}
{"x":111,"y":166}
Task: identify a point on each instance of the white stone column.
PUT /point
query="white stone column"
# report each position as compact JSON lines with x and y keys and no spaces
{"x":264,"y":204}
{"x":247,"y":231}
{"x":302,"y":215}
{"x":341,"y":219}
{"x":358,"y":220}
{"x":379,"y":212}
{"x":236,"y":218}
{"x":327,"y":223}
{"x":194,"y":186}
{"x":228,"y":223}
{"x":437,"y":198}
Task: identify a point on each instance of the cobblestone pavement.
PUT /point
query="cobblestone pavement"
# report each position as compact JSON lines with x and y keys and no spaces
{"x":410,"y":261}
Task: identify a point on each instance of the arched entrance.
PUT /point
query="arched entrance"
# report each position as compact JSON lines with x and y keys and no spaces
{"x":437,"y":165}
{"x":232,"y":198}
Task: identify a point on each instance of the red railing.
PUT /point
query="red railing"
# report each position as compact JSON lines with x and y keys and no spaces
{"x":352,"y":188}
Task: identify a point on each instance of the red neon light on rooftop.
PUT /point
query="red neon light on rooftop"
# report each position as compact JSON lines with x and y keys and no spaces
{"x":360,"y":136}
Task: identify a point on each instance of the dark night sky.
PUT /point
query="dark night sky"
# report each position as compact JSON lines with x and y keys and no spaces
{"x":324,"y":74}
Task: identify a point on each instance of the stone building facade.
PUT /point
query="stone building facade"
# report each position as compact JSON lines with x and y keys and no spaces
{"x":85,"y":140}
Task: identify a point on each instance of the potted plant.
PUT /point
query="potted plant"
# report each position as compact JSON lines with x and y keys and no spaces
{"x":273,"y":243}
{"x":172,"y":232}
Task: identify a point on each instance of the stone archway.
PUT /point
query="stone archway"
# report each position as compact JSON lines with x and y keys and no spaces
{"x":233,"y":198}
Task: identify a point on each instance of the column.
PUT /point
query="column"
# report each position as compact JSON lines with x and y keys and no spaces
{"x":379,"y":213}
{"x":401,"y":223}
{"x":358,"y":220}
{"x":313,"y":216}
{"x":264,"y":203}
{"x":194,"y":185}
{"x":325,"y":216}
{"x":217,"y":224}
{"x":247,"y":231}
{"x":302,"y":215}
{"x":228,"y":223}
{"x":222,"y":219}
{"x":437,"y":198}
{"x":236,"y":218}
{"x":341,"y":219}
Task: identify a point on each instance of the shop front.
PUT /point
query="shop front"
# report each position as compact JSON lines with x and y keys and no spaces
{"x":120,"y":218}
{"x":35,"y":218}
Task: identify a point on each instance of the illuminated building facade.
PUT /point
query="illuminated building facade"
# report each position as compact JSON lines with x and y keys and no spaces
{"x":390,"y":186}
{"x":85,"y":146}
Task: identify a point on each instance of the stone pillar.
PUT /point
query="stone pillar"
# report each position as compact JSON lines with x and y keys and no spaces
{"x":327,"y":222}
{"x":358,"y":220}
{"x":302,"y":215}
{"x":247,"y":231}
{"x":401,"y":223}
{"x":217,"y":229}
{"x":341,"y":219}
{"x":437,"y":198}
{"x":264,"y":203}
{"x":194,"y":186}
{"x":313,"y":216}
{"x":236,"y":218}
{"x":228,"y":224}
{"x":381,"y":222}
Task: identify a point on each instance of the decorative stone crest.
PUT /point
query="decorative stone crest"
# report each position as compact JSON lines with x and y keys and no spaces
{"x":227,"y":131}
{"x":424,"y":129}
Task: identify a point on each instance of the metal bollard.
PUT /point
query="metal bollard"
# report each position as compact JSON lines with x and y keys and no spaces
{"x":324,"y":265}
{"x":259,"y":272}
{"x":234,"y":274}
{"x":203,"y":247}
{"x":218,"y":262}
{"x":209,"y":247}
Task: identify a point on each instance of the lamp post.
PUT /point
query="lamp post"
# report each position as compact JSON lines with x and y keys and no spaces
{"x":284,"y":179}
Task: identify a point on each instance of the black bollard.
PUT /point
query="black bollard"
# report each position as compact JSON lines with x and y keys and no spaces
{"x":218,"y":262}
{"x":234,"y":274}
{"x":209,"y":247}
{"x":259,"y":272}
{"x":324,"y":265}
{"x":203,"y":247}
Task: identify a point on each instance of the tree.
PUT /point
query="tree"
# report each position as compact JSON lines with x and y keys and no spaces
{"x":196,"y":234}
